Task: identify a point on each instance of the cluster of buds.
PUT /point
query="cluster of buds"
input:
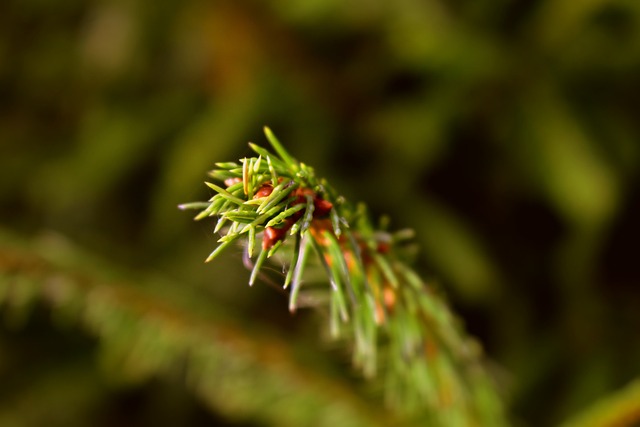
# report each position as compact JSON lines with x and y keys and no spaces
{"x":274,"y":234}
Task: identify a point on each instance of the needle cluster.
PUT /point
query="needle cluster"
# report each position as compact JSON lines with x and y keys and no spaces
{"x":399,"y":328}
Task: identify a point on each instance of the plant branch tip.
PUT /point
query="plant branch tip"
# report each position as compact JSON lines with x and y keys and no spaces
{"x":374,"y":299}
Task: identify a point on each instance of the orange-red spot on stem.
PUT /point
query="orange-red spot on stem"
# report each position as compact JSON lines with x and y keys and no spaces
{"x":430,"y":349}
{"x":264,"y":191}
{"x":322,"y":207}
{"x":272,"y":235}
{"x":389,"y":297}
{"x":383,"y":247}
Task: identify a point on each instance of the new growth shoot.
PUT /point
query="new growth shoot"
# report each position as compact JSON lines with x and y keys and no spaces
{"x":399,"y":329}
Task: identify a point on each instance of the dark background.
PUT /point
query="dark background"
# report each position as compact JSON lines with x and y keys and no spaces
{"x":506,"y":133}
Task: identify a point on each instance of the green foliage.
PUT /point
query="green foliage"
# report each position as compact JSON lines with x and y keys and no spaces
{"x":376,"y":302}
{"x":504,"y":133}
{"x":142,"y":336}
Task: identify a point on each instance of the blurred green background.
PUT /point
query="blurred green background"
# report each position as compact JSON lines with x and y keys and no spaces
{"x":506,"y":133}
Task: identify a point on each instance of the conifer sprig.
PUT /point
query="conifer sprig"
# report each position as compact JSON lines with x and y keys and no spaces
{"x":396,"y":325}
